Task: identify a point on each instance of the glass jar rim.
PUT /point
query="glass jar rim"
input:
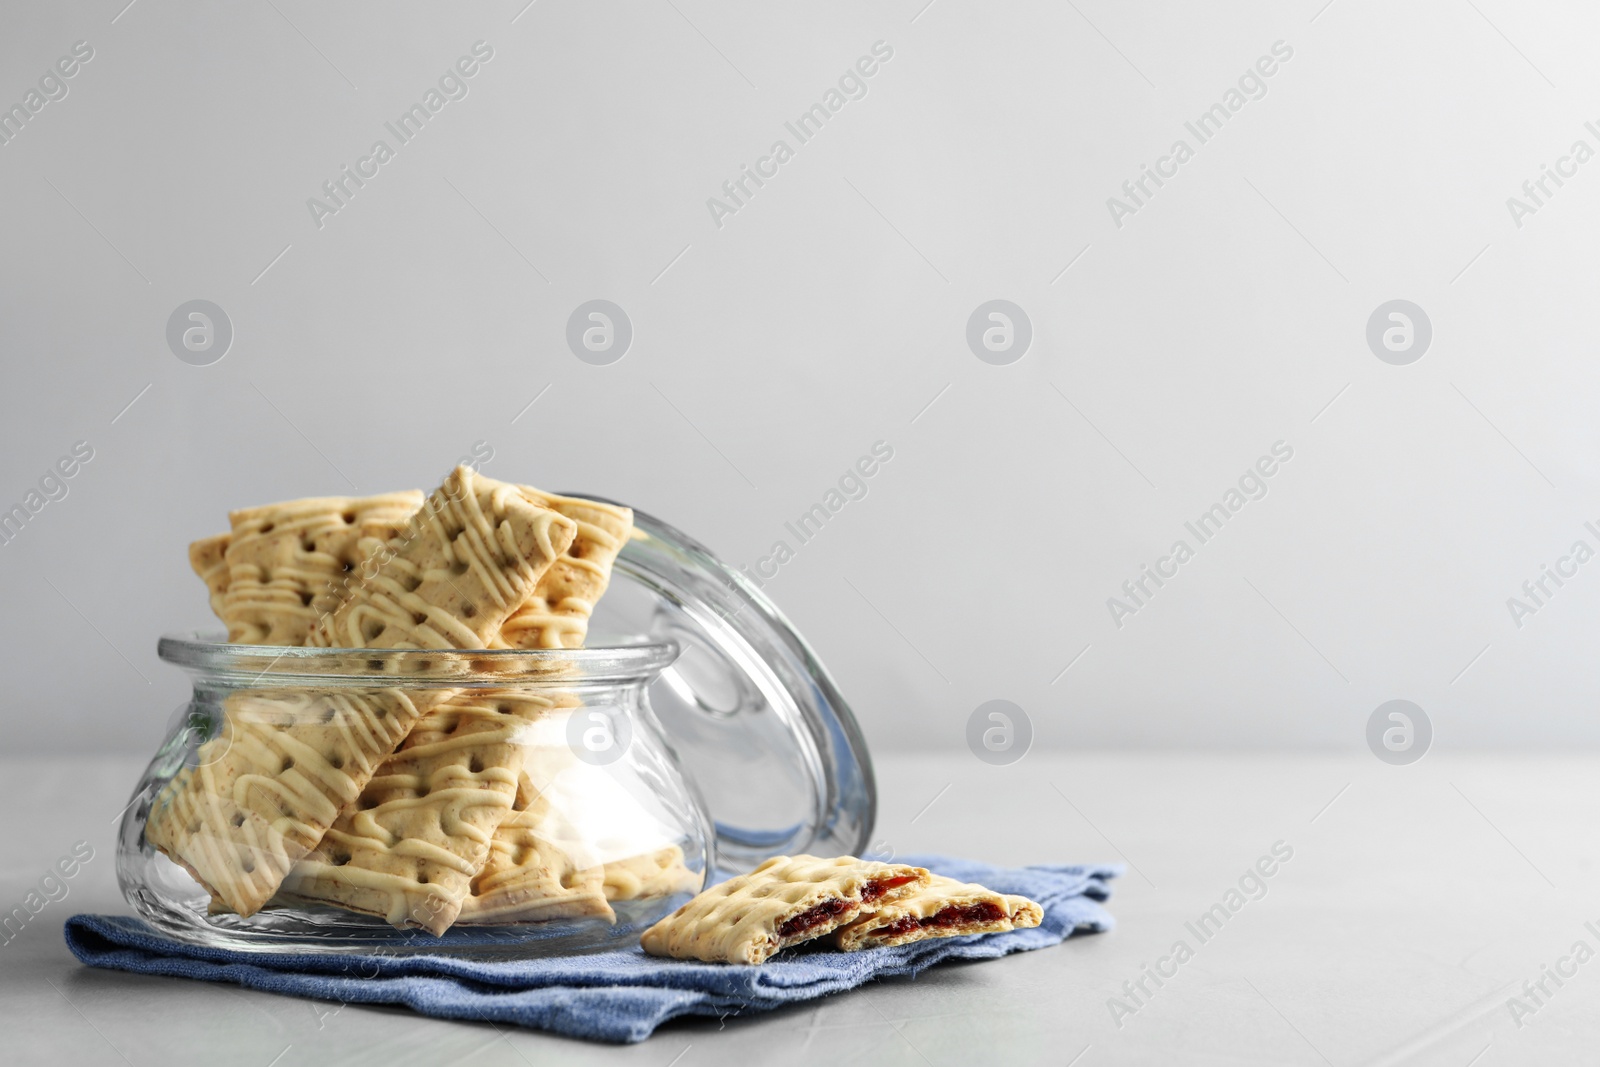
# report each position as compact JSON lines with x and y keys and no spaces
{"x":210,"y":655}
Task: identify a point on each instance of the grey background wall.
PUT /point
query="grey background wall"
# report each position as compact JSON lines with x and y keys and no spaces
{"x":1175,"y":340}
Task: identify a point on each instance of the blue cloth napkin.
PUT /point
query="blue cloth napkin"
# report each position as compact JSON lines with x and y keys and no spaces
{"x":617,"y":996}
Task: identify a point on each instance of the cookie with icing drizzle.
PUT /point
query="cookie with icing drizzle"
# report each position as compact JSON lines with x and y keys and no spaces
{"x":408,"y":856}
{"x":267,"y":789}
{"x":208,"y":557}
{"x":538,"y":868}
{"x":557,"y":615}
{"x":943,"y":907}
{"x":286,"y":565}
{"x":470,"y":557}
{"x":409,"y":846}
{"x":786,"y":900}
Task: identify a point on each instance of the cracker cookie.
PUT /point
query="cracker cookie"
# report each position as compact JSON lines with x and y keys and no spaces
{"x":649,"y":876}
{"x":288,"y":564}
{"x":270,"y":783}
{"x":540,"y":868}
{"x":943,"y":907}
{"x":533,"y":871}
{"x":530,"y":879}
{"x":470,"y":557}
{"x":208,"y":558}
{"x":542,"y":882}
{"x":557,"y":615}
{"x":371,"y":860}
{"x":408,"y":848}
{"x":786,"y":900}
{"x":286,"y":763}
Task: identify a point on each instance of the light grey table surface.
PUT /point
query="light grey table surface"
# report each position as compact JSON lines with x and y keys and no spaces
{"x":1417,"y":901}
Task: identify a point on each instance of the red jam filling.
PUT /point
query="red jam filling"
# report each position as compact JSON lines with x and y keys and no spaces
{"x":873,"y":890}
{"x":957,"y":915}
{"x":813,"y":917}
{"x":903,"y":925}
{"x":968,"y":913}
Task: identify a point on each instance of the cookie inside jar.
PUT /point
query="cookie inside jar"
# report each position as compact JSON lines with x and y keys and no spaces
{"x":406,"y":733}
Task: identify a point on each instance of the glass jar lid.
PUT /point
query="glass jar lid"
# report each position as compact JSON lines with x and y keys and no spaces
{"x":751,"y":713}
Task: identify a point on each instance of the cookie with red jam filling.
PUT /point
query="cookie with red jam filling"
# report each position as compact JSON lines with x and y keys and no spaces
{"x":783,"y":902}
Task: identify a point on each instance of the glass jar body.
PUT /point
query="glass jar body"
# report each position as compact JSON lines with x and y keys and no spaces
{"x":484,"y":802}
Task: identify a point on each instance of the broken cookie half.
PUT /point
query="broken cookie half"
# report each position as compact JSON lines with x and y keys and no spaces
{"x":783,"y":902}
{"x":942,"y":907}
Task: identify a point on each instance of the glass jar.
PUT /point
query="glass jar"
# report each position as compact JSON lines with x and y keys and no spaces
{"x":630,"y":773}
{"x":555,"y":758}
{"x":755,"y":719}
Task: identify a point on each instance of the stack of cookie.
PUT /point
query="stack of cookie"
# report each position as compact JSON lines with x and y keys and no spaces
{"x":423,"y":806}
{"x":843,"y":903}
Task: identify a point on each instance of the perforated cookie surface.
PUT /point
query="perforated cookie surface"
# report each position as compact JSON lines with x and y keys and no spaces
{"x":288,"y":564}
{"x":529,"y":878}
{"x":468,"y":559}
{"x":538,"y":868}
{"x":409,"y":846}
{"x":557,"y":615}
{"x":272,"y":781}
